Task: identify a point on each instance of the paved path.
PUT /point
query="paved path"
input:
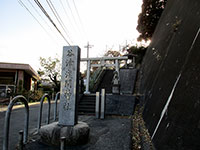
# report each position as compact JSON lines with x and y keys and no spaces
{"x":17,"y":121}
{"x":112,"y":133}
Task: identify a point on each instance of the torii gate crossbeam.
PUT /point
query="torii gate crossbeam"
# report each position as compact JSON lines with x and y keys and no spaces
{"x":102,"y":64}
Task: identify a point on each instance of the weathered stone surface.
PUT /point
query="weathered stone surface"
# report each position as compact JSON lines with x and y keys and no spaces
{"x":97,"y":107}
{"x":116,"y":83}
{"x":50,"y":134}
{"x":69,"y":85}
{"x":115,"y":89}
{"x":103,"y":97}
{"x":170,"y":78}
{"x":75,"y":135}
{"x":127,"y":80}
{"x":120,"y":105}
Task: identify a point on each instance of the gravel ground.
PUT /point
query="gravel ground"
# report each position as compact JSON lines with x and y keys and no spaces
{"x":112,"y":133}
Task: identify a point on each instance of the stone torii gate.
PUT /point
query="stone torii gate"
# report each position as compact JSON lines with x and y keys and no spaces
{"x":115,"y":63}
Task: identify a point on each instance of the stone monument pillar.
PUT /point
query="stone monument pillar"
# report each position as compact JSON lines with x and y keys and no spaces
{"x":74,"y":132}
{"x":69,"y":93}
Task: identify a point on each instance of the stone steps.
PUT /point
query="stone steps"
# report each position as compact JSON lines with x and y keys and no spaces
{"x":87,"y":105}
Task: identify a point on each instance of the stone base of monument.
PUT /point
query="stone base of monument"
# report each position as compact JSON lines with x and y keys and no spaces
{"x":115,"y":89}
{"x":75,"y":135}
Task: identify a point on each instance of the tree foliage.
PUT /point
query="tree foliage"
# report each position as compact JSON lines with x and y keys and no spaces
{"x":138,"y":51}
{"x":149,"y":17}
{"x":113,"y":53}
{"x":50,"y":69}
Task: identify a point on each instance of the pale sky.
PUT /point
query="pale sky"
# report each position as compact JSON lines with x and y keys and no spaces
{"x":102,"y":22}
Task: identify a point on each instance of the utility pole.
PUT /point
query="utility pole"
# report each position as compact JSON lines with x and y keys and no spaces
{"x":88,"y":46}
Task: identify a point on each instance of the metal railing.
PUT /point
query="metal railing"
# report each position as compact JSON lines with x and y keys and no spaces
{"x":7,"y":120}
{"x":40,"y":111}
{"x":55,"y":105}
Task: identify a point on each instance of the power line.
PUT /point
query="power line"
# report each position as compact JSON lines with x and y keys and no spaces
{"x":88,"y":46}
{"x":73,"y":16}
{"x":52,"y":22}
{"x":43,"y":20}
{"x":58,"y":18}
{"x":23,"y":5}
{"x":70,"y":10}
{"x":38,"y":13}
{"x":67,"y":14}
{"x":79,"y":16}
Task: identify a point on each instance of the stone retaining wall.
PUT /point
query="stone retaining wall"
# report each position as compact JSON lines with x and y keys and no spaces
{"x":170,"y":78}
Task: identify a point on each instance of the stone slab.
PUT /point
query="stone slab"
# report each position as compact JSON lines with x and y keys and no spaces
{"x":127,"y":80}
{"x":69,"y":85}
{"x":120,"y":105}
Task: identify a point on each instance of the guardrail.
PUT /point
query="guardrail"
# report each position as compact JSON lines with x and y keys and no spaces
{"x":7,"y":120}
{"x":55,"y":105}
{"x":40,"y":111}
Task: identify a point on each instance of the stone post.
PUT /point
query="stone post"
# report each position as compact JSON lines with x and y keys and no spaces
{"x":103,"y":98}
{"x":69,"y":86}
{"x":97,"y":104}
{"x":88,"y":77}
{"x":117,"y":65}
{"x":75,"y":133}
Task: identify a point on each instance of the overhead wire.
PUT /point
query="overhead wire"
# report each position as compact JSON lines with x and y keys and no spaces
{"x":75,"y":21}
{"x":39,"y":13}
{"x":67,"y":14}
{"x":49,"y":18}
{"x":80,"y":20}
{"x":58,"y":18}
{"x":43,"y":21}
{"x":23,"y":5}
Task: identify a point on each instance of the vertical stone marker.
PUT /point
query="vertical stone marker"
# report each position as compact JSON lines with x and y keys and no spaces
{"x":74,"y":132}
{"x":97,"y":104}
{"x":69,"y":86}
{"x":103,"y":98}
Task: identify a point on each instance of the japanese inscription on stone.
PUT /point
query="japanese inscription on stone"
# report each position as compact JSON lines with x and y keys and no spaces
{"x":68,"y":69}
{"x":69,"y":85}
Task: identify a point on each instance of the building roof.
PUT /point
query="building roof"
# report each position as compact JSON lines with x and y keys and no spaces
{"x":17,"y":66}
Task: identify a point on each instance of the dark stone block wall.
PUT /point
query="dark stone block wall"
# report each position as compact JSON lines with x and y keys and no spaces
{"x":127,"y":80}
{"x":170,"y":78}
{"x":120,"y":105}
